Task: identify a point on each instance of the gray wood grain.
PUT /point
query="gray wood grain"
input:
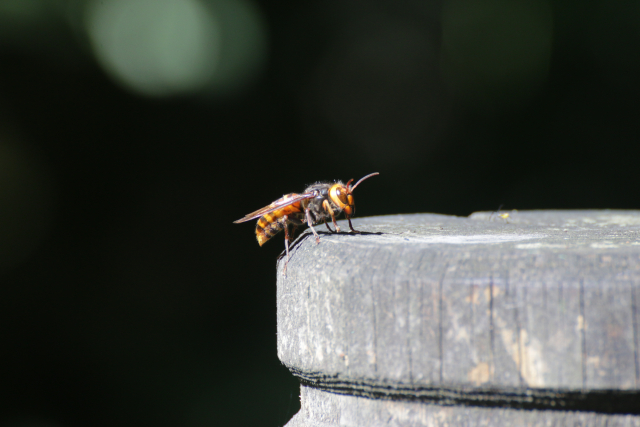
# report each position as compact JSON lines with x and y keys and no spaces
{"x":543,"y":308}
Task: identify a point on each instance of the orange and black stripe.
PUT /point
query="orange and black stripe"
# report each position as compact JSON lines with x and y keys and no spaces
{"x":272,"y":223}
{"x":268,"y":226}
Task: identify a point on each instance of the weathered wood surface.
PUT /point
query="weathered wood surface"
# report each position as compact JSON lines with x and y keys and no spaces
{"x":536,"y":313}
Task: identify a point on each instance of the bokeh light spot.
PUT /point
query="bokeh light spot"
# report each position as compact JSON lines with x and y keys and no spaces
{"x":243,"y":49}
{"x":155,"y":47}
{"x":177,"y":47}
{"x":496,"y":48}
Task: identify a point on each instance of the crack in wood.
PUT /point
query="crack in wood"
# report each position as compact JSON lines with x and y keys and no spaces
{"x":583,"y":338}
{"x":634,"y":320}
{"x":491,"y":328}
{"x":598,"y":401}
{"x":441,"y":320}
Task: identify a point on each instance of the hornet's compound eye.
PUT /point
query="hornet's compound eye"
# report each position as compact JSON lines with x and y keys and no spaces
{"x":343,"y":195}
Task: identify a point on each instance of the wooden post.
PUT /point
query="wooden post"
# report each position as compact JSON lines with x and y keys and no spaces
{"x":433,"y":320}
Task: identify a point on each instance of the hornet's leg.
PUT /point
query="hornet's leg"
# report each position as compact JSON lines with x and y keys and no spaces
{"x":333,"y":218}
{"x":351,"y":226}
{"x":286,"y":243}
{"x":286,"y":236}
{"x":294,"y":221}
{"x":310,"y":224}
{"x":328,"y":228}
{"x":327,"y":208}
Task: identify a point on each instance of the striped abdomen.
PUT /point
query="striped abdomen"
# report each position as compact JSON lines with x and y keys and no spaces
{"x":272,"y":223}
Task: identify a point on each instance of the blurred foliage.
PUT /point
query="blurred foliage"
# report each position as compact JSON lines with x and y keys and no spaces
{"x":130,"y":298}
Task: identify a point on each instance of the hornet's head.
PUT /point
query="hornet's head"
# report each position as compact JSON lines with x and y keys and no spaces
{"x":342,"y":195}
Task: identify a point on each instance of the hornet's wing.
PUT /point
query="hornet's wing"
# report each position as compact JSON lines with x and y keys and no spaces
{"x":287,"y":200}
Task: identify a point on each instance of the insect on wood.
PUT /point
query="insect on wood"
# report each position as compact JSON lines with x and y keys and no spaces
{"x":318,"y":203}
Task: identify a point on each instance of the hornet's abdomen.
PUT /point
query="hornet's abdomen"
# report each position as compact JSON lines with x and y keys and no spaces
{"x":272,"y":223}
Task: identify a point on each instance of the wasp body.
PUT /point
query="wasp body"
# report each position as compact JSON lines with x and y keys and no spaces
{"x":274,"y":222}
{"x":319,"y":203}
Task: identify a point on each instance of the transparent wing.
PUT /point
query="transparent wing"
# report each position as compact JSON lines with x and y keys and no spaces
{"x":287,"y":200}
